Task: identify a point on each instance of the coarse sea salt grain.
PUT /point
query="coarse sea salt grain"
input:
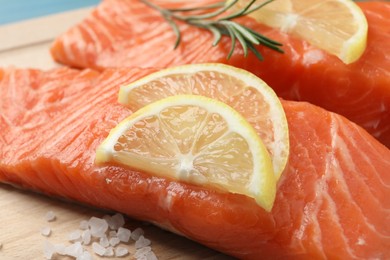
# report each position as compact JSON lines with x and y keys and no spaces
{"x":48,"y":250}
{"x":74,"y":250}
{"x":45,"y":231}
{"x":118,"y":221}
{"x":146,"y":255}
{"x":84,"y":256}
{"x":114,"y":241}
{"x":137,"y":233}
{"x":98,"y":227}
{"x":142,"y":242}
{"x":98,"y":249}
{"x":124,"y":234}
{"x":151,"y":256}
{"x":74,"y":235}
{"x":50,"y":216}
{"x":60,"y":249}
{"x":109,"y":220}
{"x":142,"y":251}
{"x":103,"y":241}
{"x":86,"y":237}
{"x":109,"y":251}
{"x":121,"y":251}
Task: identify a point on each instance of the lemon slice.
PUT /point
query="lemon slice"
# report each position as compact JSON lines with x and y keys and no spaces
{"x":194,"y":139}
{"x":243,"y":91}
{"x":337,"y":26}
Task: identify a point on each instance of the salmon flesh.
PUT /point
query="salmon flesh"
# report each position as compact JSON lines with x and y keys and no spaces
{"x":127,"y":33}
{"x":332,"y":200}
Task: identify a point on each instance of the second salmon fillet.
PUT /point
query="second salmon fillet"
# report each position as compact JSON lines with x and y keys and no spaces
{"x":127,"y":33}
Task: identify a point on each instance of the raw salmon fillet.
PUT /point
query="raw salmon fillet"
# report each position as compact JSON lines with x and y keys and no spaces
{"x":122,"y":33}
{"x":332,"y":200}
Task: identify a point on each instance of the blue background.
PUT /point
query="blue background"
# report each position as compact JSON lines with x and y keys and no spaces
{"x":18,"y":10}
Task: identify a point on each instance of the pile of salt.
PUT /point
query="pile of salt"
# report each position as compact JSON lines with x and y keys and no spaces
{"x":106,"y":233}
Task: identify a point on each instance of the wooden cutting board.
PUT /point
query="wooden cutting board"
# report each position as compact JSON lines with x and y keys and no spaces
{"x":22,"y":216}
{"x":22,"y":213}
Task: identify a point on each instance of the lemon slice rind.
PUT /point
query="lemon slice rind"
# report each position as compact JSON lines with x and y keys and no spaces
{"x":279,"y":147}
{"x":261,"y":187}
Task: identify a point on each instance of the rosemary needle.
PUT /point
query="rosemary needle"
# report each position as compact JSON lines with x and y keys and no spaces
{"x":211,"y":18}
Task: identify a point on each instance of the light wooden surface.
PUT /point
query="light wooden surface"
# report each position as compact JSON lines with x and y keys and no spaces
{"x":22,"y":216}
{"x":22,"y":213}
{"x":26,"y":44}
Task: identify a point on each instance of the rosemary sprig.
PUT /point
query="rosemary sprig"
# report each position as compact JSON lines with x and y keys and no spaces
{"x":212,"y":18}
